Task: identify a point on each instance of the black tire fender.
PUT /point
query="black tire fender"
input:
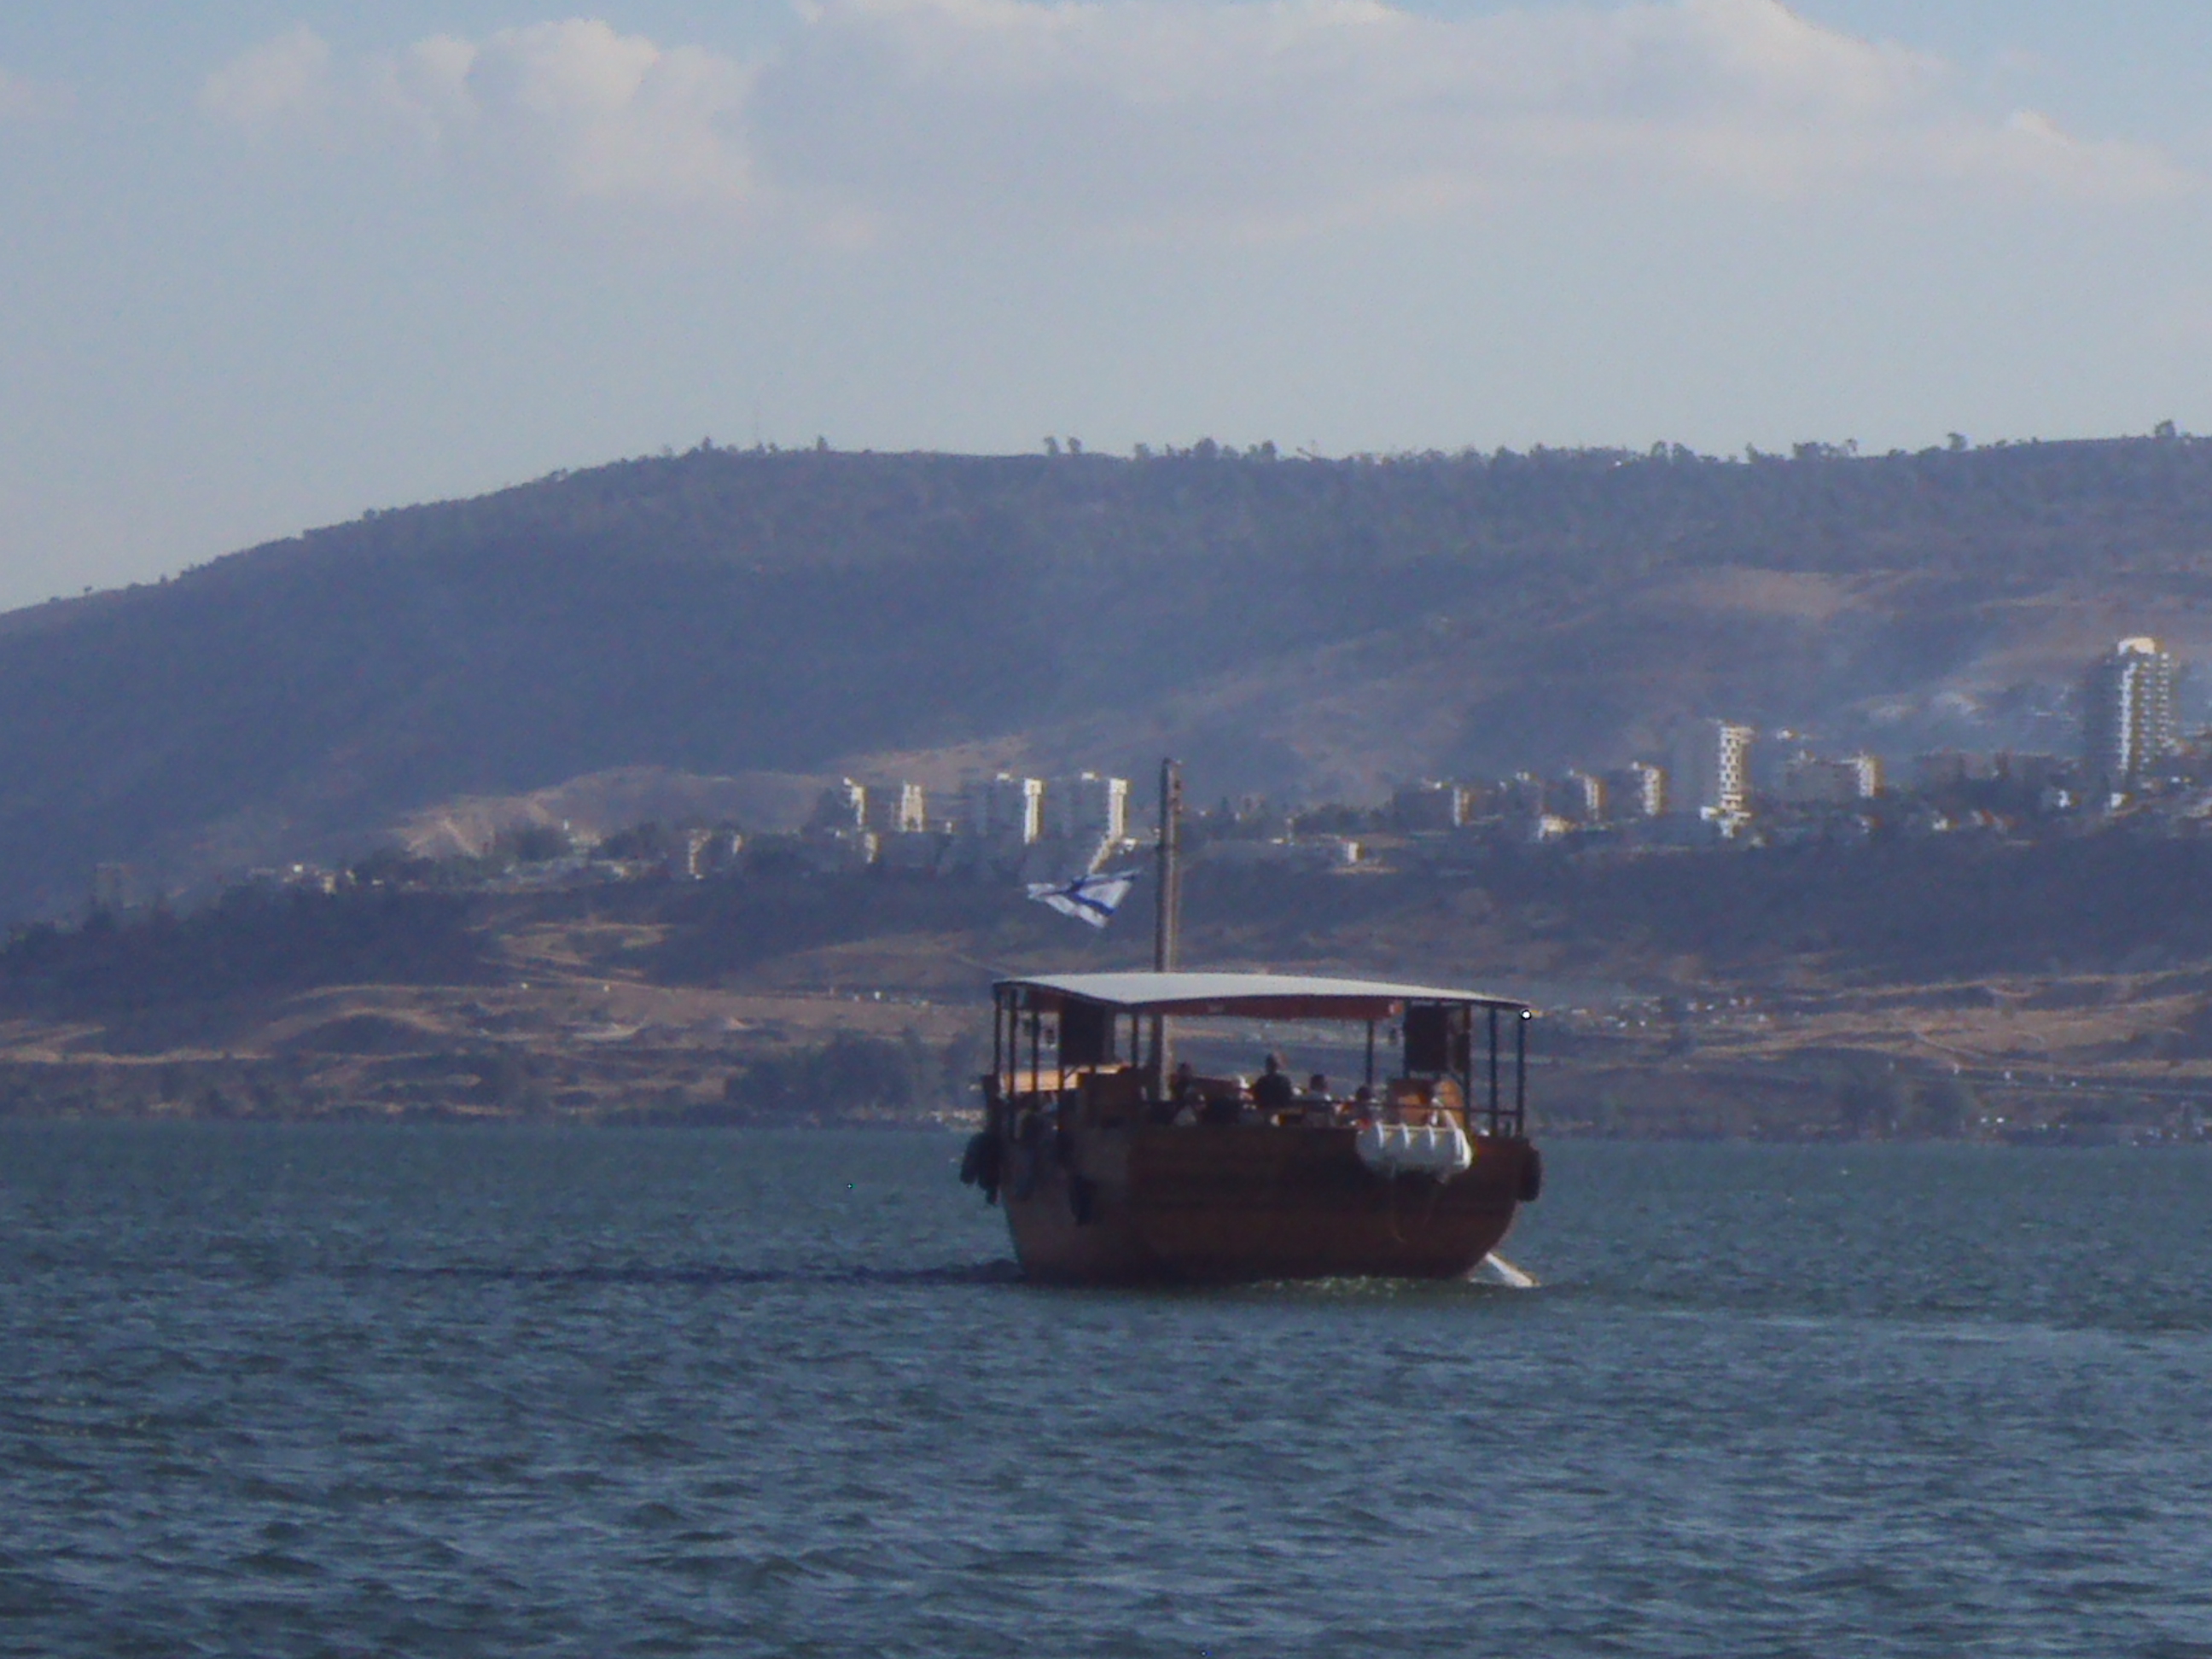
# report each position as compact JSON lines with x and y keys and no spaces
{"x":980,"y":1163}
{"x":1532,"y":1177}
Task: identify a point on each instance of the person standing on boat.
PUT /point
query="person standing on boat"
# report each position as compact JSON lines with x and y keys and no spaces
{"x":1182,"y":1101}
{"x":1272,"y":1091}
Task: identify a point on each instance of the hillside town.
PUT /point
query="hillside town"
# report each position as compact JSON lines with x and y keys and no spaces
{"x":1722,"y":785}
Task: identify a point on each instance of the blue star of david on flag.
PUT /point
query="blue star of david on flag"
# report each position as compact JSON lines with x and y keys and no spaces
{"x":1092,"y":898}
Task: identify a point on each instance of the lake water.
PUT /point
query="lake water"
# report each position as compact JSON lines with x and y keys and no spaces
{"x":336,"y":1391}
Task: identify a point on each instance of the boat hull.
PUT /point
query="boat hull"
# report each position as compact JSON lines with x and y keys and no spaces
{"x":1229,"y":1204}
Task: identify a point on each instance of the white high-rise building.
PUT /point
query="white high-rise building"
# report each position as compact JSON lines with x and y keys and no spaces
{"x":1585,"y":797}
{"x":2127,"y":712}
{"x":1429,"y":805}
{"x":1638,"y":790}
{"x":1711,"y":772}
{"x":897,"y":809}
{"x":1003,"y":808}
{"x":1087,"y":807}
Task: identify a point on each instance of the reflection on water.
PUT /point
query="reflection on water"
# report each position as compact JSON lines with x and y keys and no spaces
{"x":316,"y":1390}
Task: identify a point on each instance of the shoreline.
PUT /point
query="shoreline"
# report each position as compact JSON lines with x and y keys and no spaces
{"x":954,"y":1125}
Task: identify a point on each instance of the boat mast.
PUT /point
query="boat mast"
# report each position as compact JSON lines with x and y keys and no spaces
{"x":1167,"y":925}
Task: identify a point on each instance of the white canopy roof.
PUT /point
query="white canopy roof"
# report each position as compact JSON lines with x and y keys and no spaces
{"x":1262,"y":996}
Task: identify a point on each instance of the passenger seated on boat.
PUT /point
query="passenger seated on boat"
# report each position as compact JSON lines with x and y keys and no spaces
{"x":1315,"y":1099}
{"x":1225,"y":1106}
{"x":1363,"y":1104}
{"x":1447,"y":1104}
{"x":1273,"y":1092}
{"x":1182,"y":1098}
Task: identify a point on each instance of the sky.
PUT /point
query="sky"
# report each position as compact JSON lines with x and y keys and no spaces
{"x":265,"y":265}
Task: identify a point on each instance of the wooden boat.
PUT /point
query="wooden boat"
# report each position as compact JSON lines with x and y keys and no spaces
{"x":1116,"y":1166}
{"x":1113,"y":1170}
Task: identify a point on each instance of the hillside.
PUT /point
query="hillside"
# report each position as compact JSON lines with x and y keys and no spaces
{"x":1288,"y":625}
{"x":1958,"y":986}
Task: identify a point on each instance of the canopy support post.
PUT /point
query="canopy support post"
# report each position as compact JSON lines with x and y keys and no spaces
{"x":998,"y":1044}
{"x":1463,"y":1044}
{"x":1494,"y":1104}
{"x":1520,"y":1074}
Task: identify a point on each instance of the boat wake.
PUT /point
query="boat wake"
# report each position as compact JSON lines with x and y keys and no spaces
{"x":1495,"y":1269}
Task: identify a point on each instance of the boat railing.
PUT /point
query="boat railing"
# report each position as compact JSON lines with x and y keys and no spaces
{"x":1117,"y":1099}
{"x":1459,"y":1059}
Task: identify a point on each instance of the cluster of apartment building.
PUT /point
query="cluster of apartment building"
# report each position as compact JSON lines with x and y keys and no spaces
{"x":1705,"y":788}
{"x":1717,"y":780}
{"x":1039,"y":829}
{"x":1710,"y":784}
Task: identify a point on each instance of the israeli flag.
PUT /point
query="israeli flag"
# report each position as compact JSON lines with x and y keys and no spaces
{"x":1091,"y":899}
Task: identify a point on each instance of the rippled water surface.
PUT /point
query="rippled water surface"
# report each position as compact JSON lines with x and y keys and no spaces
{"x":280,"y":1391}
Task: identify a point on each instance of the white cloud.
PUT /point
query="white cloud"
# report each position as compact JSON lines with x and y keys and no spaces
{"x":22,"y":99}
{"x":570,"y":108}
{"x":1253,"y":116}
{"x":1274,"y":114}
{"x":280,"y":82}
{"x":594,"y":114}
